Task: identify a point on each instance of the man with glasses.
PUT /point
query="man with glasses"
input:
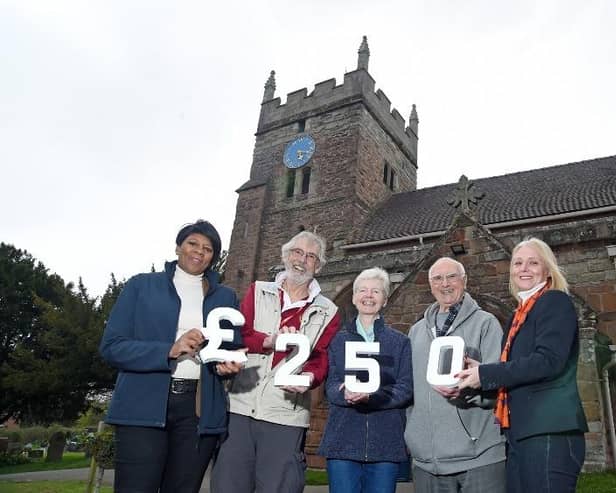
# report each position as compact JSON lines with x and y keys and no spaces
{"x":453,"y":439}
{"x":263,"y":451}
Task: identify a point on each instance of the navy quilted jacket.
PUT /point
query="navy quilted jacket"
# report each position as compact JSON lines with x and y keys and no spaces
{"x":372,"y":431}
{"x":139,"y":334}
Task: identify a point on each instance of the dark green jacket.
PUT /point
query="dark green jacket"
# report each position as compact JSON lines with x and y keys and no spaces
{"x":540,"y":375}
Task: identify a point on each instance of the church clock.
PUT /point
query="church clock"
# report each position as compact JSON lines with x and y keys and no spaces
{"x":299,"y":151}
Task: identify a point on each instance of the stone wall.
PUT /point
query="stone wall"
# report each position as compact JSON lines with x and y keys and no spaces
{"x":327,"y":96}
{"x":346,"y":183}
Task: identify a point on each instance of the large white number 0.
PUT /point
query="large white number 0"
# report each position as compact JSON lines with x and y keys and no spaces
{"x":446,"y":359}
{"x":353,"y":362}
{"x":285,"y":375}
{"x":215,"y":335}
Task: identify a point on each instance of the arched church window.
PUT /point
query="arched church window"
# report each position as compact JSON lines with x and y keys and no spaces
{"x":306,"y":180}
{"x":290,"y":182}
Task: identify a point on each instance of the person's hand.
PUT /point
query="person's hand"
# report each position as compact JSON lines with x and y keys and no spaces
{"x":299,"y":389}
{"x":225,"y":368}
{"x":469,"y":378}
{"x":470,"y":362}
{"x":270,"y":341}
{"x":353,"y":397}
{"x":190,"y":343}
{"x":447,"y":392}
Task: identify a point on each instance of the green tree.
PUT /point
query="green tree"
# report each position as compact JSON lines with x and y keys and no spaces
{"x":50,"y":368}
{"x":22,"y":282}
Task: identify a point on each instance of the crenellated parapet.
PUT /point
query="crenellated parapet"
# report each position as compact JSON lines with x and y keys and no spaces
{"x":358,"y":87}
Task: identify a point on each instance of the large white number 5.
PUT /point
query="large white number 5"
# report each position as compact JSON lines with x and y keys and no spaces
{"x":353,"y":362}
{"x":285,"y":376}
{"x":215,"y":335}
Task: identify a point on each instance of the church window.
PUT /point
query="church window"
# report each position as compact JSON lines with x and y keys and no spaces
{"x":385,"y":173}
{"x":392,"y":179}
{"x":305,"y":180}
{"x":290,"y":182}
{"x":301,"y":125}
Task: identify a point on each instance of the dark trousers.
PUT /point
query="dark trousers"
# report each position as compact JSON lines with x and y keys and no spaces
{"x":259,"y":457}
{"x":171,"y":459}
{"x":482,"y":479}
{"x":545,"y":463}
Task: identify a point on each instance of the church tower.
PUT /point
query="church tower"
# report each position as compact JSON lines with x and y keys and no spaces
{"x":322,"y":162}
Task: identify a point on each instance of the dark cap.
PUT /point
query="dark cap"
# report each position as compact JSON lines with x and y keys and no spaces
{"x":204,"y":228}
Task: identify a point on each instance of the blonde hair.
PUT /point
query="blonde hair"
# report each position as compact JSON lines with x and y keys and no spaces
{"x":373,"y":273}
{"x":555,"y":273}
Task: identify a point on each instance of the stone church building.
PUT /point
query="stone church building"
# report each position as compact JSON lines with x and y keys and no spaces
{"x":342,"y":162}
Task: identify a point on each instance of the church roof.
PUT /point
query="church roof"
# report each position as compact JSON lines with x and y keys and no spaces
{"x":531,"y":194}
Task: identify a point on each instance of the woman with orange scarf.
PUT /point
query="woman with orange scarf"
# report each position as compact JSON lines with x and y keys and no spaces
{"x":538,"y":405}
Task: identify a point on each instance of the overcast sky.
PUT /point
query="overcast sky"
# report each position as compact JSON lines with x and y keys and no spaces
{"x":122,"y":120}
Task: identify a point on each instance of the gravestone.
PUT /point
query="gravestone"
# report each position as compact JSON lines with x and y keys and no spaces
{"x":57,"y":441}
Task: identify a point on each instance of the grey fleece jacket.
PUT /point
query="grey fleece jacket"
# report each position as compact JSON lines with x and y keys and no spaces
{"x":450,"y":436}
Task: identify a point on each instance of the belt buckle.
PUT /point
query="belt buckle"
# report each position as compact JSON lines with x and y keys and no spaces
{"x":177,"y":386}
{"x":181,"y":386}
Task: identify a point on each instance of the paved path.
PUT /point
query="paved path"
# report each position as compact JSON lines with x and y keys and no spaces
{"x":82,"y":475}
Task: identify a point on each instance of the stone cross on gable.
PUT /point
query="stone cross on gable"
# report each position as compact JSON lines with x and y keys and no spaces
{"x":465,"y":197}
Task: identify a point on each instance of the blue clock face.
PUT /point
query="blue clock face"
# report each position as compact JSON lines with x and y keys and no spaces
{"x":299,"y":152}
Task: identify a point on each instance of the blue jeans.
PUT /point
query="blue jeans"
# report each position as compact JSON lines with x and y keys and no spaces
{"x":349,"y":476}
{"x":547,"y":463}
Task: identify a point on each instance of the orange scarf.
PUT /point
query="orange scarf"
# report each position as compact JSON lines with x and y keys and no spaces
{"x":502,"y":404}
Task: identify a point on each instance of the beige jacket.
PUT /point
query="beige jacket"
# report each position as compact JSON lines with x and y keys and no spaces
{"x":253,"y":392}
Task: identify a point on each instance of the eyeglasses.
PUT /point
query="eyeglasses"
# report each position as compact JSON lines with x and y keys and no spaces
{"x":310,"y":257}
{"x":439,"y":279}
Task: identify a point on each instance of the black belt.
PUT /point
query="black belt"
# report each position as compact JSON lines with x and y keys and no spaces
{"x":183,"y":386}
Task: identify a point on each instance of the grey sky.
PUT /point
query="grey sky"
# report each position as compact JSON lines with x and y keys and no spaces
{"x":122,"y":120}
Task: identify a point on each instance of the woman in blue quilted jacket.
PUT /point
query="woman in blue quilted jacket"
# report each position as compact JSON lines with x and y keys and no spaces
{"x":168,"y":409}
{"x":363,"y":438}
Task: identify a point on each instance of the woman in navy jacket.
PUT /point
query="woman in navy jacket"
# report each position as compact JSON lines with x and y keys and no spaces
{"x":152,"y":337}
{"x":363,"y":439}
{"x":538,"y":404}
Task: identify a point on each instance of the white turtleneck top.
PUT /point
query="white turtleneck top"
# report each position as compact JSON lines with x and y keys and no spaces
{"x":190,"y":290}
{"x":524,"y":295}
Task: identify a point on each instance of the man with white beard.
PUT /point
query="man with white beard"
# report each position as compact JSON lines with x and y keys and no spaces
{"x":263,"y":449}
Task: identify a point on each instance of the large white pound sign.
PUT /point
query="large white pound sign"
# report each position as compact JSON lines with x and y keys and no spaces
{"x":445,"y":360}
{"x":353,"y":362}
{"x":215,"y":335}
{"x":285,"y":375}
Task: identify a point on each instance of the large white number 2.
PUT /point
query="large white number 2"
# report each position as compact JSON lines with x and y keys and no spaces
{"x":286,"y":373}
{"x":215,"y":335}
{"x":353,"y":362}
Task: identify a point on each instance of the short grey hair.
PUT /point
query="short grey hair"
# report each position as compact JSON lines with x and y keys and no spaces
{"x":373,"y":273}
{"x":312,"y":237}
{"x":455,"y":262}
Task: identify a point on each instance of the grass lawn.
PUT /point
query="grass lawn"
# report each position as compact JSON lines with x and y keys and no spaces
{"x":70,"y":460}
{"x":48,"y":487}
{"x":597,"y":482}
{"x":315,"y":478}
{"x":600,"y":482}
